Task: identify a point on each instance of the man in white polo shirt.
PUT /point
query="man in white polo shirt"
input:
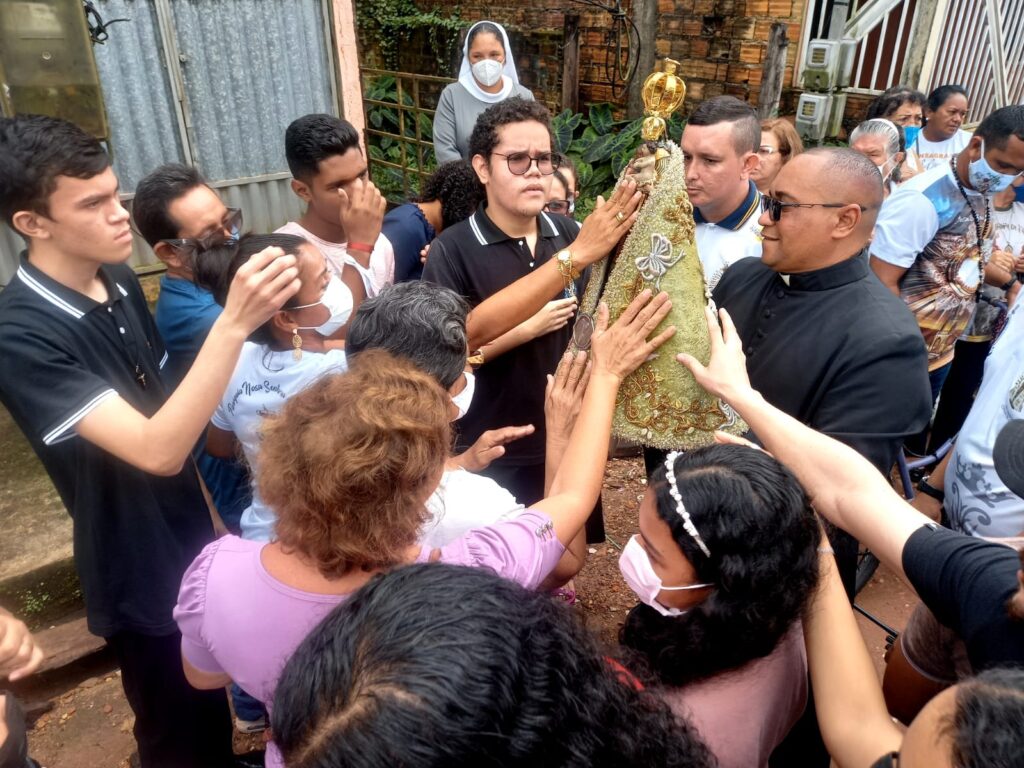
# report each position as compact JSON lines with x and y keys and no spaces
{"x":720,"y":144}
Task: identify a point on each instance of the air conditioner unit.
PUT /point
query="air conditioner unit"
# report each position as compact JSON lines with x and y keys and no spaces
{"x":812,"y":115}
{"x":821,"y":65}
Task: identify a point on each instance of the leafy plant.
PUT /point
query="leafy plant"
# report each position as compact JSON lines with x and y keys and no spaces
{"x":386,"y":23}
{"x":599,"y":147}
{"x":391,"y":148}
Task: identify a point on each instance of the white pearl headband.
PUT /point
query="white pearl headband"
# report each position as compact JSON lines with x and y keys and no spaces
{"x":673,"y":490}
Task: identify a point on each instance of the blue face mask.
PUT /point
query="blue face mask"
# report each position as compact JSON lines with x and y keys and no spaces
{"x":910,"y":133}
{"x":1018,"y":194}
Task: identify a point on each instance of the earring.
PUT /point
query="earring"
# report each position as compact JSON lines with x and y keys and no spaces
{"x":296,"y":345}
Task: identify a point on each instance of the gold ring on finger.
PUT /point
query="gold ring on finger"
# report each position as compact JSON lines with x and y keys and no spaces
{"x":620,"y":217}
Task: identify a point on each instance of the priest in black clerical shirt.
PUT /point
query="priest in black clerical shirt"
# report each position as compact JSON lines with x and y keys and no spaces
{"x":825,"y":341}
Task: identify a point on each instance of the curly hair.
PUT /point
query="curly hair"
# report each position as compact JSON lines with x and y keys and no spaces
{"x":440,"y":665}
{"x":456,"y":186}
{"x":758,"y":524}
{"x":484,"y":138}
{"x":348,"y":463}
{"x":887,"y":103}
{"x":985,"y":726}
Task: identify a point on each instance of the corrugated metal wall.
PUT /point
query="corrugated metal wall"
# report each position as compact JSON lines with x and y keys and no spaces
{"x":214,"y":81}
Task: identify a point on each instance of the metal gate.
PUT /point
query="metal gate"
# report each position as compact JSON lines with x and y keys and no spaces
{"x":978,"y":44}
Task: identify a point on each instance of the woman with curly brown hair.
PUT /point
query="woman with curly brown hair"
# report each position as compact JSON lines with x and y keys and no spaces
{"x":348,"y":465}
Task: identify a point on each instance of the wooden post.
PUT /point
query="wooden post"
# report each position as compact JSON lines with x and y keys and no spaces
{"x":645,"y":16}
{"x":347,"y":60}
{"x":771,"y":77}
{"x":571,"y":64}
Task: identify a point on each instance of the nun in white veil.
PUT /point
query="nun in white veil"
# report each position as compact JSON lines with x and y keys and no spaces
{"x":487,"y":76}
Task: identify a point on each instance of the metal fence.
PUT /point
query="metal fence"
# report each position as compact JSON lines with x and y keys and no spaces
{"x":399,"y":109}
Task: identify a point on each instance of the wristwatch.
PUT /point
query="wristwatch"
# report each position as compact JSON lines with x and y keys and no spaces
{"x":565,"y":265}
{"x":930,"y":490}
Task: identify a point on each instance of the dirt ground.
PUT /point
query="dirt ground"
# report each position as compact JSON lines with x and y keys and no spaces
{"x":89,"y":725}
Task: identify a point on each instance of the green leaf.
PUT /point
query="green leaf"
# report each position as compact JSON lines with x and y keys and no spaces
{"x":375,"y":152}
{"x":601,"y":118}
{"x":386,"y":141}
{"x":375,"y":118}
{"x":620,"y":161}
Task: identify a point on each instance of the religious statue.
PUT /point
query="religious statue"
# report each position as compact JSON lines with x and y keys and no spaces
{"x":660,"y":404}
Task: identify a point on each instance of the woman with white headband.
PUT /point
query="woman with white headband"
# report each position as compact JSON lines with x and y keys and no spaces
{"x":724,"y":566}
{"x":881,"y":142}
{"x":487,"y":76}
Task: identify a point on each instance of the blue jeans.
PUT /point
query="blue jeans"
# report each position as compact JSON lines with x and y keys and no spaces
{"x":246,"y":707}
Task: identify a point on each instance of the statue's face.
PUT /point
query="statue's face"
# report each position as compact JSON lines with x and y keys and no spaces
{"x":518,"y":194}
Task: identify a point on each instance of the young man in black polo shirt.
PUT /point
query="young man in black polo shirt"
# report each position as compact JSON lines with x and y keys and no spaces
{"x":81,"y":376}
{"x":509,"y":239}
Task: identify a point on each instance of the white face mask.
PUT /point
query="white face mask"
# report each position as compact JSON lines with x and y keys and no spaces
{"x":881,"y":168}
{"x":338,"y":300}
{"x":984,"y":178}
{"x":639,"y":574}
{"x":488,"y":71}
{"x":465,"y":397}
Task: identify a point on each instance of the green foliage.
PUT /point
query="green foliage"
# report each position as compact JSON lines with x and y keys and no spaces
{"x":394,"y":150}
{"x":386,"y":23}
{"x":599,"y":147}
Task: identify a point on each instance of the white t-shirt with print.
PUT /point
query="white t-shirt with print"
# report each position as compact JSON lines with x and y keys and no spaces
{"x":977,"y":501}
{"x":932,"y":153}
{"x":382,"y":261}
{"x":263,"y":380}
{"x":1009,"y":229}
{"x":719,"y":247}
{"x":464,"y":501}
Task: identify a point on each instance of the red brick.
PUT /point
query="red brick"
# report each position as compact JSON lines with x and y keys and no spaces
{"x":662,"y":47}
{"x":757,"y":7}
{"x":780,"y":9}
{"x":750,"y":53}
{"x":698,"y":49}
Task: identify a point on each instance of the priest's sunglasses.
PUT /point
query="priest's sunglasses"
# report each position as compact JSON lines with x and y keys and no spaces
{"x":191,"y":246}
{"x":520,"y":162}
{"x":774,"y":207}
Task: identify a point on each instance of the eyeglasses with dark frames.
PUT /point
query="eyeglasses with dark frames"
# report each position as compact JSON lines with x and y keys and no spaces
{"x":774,"y":207}
{"x":519,"y":162}
{"x":564,"y":207}
{"x":191,"y":246}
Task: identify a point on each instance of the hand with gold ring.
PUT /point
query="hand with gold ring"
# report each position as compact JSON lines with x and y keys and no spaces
{"x":607,"y":225}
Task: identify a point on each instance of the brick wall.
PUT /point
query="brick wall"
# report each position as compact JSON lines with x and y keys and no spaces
{"x":720,"y":43}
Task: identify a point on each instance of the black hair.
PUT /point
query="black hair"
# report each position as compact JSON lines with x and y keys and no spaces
{"x":153,"y":198}
{"x":456,"y":186}
{"x":34,"y":151}
{"x":437,"y":665}
{"x":746,"y":128}
{"x":941,"y":95}
{"x":215,"y":269}
{"x":985,"y":726}
{"x":420,"y":321}
{"x":997,"y":128}
{"x":888,"y":102}
{"x":560,"y":174}
{"x":757,"y":523}
{"x":485,"y":28}
{"x":484,"y":138}
{"x":313,"y":138}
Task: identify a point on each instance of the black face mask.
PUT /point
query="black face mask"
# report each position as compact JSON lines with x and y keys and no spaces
{"x":14,"y":750}
{"x":892,"y":760}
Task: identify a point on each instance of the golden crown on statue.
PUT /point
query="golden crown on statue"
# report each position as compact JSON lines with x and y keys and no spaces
{"x":663,"y":93}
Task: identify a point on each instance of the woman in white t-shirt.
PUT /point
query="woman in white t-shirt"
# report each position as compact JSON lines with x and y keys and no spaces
{"x":283,"y":356}
{"x":942,"y":136}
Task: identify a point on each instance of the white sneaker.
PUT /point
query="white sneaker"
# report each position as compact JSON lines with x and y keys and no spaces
{"x":250,"y":726}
